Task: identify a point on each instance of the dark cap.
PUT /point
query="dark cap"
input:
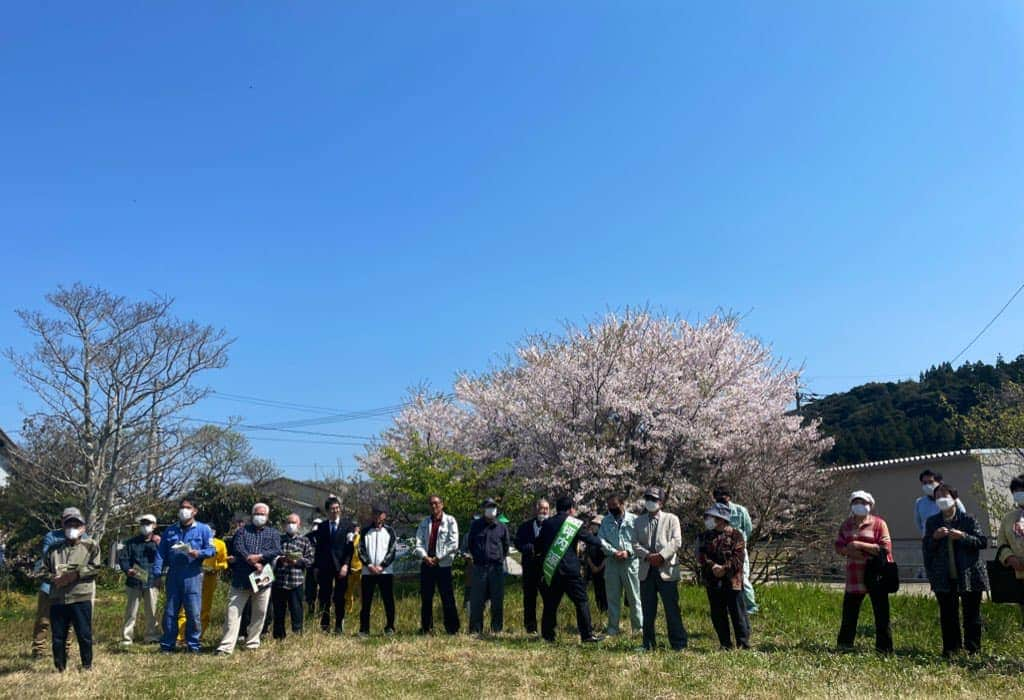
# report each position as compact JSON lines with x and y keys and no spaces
{"x":489,"y":503}
{"x":380,"y":508}
{"x":655,"y":493}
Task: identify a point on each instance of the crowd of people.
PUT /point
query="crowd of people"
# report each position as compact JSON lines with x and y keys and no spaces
{"x":635,"y":557}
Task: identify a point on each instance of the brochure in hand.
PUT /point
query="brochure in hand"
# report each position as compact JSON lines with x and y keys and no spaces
{"x":262,"y":579}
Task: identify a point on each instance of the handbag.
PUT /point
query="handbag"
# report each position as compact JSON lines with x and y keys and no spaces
{"x":1003,"y":583}
{"x":881,"y":576}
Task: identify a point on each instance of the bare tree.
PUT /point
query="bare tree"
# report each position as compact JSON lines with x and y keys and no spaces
{"x":113,"y":376}
{"x":259,"y":471}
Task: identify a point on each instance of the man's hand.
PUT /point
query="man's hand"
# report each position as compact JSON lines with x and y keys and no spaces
{"x":622,"y":554}
{"x":231,"y":559}
{"x":259,"y":567}
{"x":940,"y":533}
{"x":718,"y":570}
{"x":253,"y":559}
{"x":1015,"y":563}
{"x":956,"y":535}
{"x":193,"y":553}
{"x":65,"y":579}
{"x":343,"y":571}
{"x":375,"y":569}
{"x":655,"y":560}
{"x":132,"y":572}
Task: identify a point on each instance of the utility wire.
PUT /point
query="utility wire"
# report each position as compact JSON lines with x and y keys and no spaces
{"x":245,"y":427}
{"x":988,"y":325}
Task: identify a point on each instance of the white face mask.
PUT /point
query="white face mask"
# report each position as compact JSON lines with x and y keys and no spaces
{"x":544,"y":516}
{"x":72,"y":533}
{"x":291,"y":528}
{"x":928,"y":489}
{"x":651,"y":506}
{"x":859,"y":509}
{"x":146,"y":529}
{"x":944,"y":503}
{"x":1018,"y":497}
{"x":185,"y":514}
{"x":709,"y":523}
{"x":259,"y":520}
{"x":491,"y":513}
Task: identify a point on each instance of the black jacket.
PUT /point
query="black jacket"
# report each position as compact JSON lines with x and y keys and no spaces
{"x":570,"y":564}
{"x":525,"y":542}
{"x":488,"y":541}
{"x":333,"y":553}
{"x":972,"y":575}
{"x":136,"y":552}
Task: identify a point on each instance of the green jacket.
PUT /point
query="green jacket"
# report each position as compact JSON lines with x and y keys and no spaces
{"x":82,"y":556}
{"x":739,"y":518}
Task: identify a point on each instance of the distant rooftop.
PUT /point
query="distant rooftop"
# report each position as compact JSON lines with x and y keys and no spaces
{"x":933,"y":457}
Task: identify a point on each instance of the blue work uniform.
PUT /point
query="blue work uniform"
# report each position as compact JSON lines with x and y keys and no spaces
{"x":184,"y":585}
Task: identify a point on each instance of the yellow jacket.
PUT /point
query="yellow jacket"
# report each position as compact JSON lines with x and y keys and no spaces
{"x":357,"y":563}
{"x":219,"y":561}
{"x":1011,"y":535}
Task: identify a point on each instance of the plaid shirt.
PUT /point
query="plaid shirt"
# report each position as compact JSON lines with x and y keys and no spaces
{"x":286,"y":575}
{"x":265,"y":541}
{"x":873,"y":531}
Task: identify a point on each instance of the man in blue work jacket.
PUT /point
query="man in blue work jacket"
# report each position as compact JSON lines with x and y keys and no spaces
{"x":181,"y":552}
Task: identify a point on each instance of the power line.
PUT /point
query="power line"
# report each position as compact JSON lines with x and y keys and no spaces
{"x":988,"y":325}
{"x":245,"y":427}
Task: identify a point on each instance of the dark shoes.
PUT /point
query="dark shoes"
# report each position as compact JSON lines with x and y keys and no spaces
{"x":594,"y":639}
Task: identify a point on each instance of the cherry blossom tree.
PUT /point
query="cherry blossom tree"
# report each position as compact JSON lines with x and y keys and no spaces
{"x":629,"y":400}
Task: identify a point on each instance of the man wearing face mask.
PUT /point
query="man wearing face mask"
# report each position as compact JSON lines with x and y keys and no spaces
{"x":489,"y":543}
{"x":533,"y":565}
{"x":622,"y":568}
{"x":657,"y":538}
{"x":254,"y":546}
{"x":41,"y":633}
{"x":557,"y":545}
{"x":924,"y":506}
{"x":289,"y":576}
{"x":1010,"y":540}
{"x":179,"y":559}
{"x":212,"y":566}
{"x":136,"y":559}
{"x":70,"y":568}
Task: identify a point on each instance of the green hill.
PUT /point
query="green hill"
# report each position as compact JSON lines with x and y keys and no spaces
{"x":899,"y":419}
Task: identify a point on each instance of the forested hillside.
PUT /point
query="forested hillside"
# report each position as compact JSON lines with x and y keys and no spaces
{"x":898,"y":419}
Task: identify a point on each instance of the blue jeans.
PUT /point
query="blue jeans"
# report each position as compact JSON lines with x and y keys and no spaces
{"x":181,"y":592}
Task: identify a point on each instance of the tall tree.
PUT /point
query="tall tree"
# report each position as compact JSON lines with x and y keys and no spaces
{"x":113,"y":376}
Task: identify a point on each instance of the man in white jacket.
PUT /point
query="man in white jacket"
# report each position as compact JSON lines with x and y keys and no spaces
{"x":437,"y":543}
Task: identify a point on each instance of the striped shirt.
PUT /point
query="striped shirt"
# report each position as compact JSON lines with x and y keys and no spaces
{"x":286,"y":574}
{"x":873,"y":531}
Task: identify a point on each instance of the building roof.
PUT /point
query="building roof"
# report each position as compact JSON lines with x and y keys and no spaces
{"x":916,"y":459}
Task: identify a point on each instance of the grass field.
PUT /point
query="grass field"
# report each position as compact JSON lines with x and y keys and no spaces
{"x":793,"y":637}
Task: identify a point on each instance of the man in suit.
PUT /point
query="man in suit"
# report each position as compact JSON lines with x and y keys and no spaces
{"x":526,"y":539}
{"x":657,"y":538}
{"x":566,"y":578}
{"x":333,"y":556}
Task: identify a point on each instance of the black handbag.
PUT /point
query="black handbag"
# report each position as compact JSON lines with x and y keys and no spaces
{"x":881,"y":576}
{"x":1002,"y":580}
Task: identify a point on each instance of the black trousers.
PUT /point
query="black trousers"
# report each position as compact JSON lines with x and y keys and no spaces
{"x":576,"y":589}
{"x":600,"y":593}
{"x":62,"y":618}
{"x":949,"y":620}
{"x":851,"y":611}
{"x":385,"y":582}
{"x":727,"y":604}
{"x":532,"y":573}
{"x":651,"y":588}
{"x":440,"y":578}
{"x":287,"y":600}
{"x":311,"y":590}
{"x":331,"y":591}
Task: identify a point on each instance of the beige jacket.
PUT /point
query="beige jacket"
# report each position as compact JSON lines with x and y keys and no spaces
{"x":667,"y":541}
{"x":1010,"y":540}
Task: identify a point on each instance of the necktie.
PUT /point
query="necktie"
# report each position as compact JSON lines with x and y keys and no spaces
{"x":654,"y":534}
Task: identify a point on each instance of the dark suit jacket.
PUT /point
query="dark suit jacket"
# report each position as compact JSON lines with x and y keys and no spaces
{"x":570,"y":564}
{"x":525,"y":542}
{"x":333,"y":553}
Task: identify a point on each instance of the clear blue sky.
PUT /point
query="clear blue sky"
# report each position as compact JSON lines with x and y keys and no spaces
{"x":369,"y":198}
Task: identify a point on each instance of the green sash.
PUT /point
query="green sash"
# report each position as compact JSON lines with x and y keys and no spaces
{"x":560,"y":546}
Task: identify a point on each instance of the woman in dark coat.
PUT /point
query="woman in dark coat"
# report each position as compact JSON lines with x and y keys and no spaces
{"x":956,"y":573}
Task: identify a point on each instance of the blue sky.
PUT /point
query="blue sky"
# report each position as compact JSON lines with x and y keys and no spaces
{"x":370,"y":198}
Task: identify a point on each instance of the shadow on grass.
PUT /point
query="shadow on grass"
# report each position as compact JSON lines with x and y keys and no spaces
{"x":23,"y":662}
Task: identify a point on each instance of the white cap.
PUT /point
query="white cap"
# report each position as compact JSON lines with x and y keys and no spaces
{"x":148,"y":516}
{"x":863,"y":495}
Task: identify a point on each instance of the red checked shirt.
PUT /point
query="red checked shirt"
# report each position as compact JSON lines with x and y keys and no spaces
{"x":873,"y":531}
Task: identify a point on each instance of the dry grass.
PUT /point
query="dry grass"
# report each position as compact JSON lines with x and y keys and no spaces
{"x":793,"y":638}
